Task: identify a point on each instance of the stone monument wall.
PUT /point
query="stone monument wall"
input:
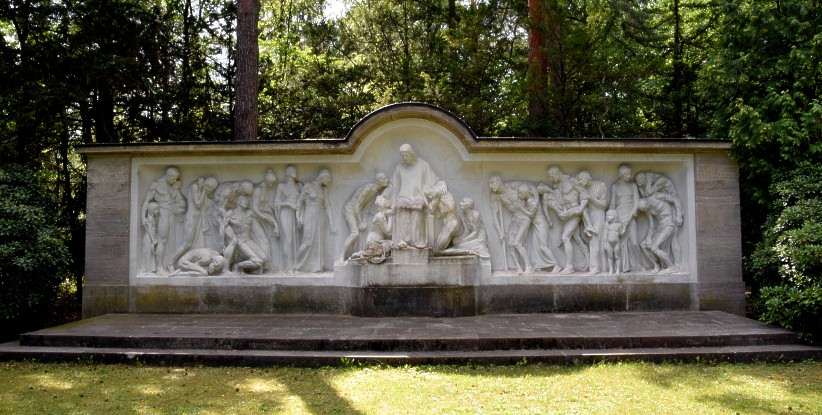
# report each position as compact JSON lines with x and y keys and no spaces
{"x":411,"y":213}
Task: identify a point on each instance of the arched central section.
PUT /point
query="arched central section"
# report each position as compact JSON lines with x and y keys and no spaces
{"x":421,"y":122}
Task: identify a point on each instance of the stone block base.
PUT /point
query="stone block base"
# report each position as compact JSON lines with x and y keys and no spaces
{"x":439,"y":271}
{"x":416,"y":301}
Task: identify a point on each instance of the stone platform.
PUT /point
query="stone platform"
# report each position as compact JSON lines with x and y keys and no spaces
{"x":332,"y":339}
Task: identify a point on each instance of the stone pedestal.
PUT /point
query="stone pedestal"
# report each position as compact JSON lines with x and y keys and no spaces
{"x":410,"y":256}
{"x":439,"y":271}
{"x":441,"y":286}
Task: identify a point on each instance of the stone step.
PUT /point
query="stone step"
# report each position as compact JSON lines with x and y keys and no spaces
{"x":407,"y":344}
{"x":776,"y":352}
{"x":679,"y":329}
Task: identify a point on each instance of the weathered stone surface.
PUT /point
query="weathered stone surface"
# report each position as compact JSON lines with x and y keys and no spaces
{"x":593,"y":297}
{"x":104,"y":299}
{"x":490,"y":332}
{"x":726,"y":296}
{"x":649,"y":297}
{"x":517,"y":299}
{"x":313,"y":299}
{"x":443,"y":301}
{"x":107,"y":235}
{"x":718,"y":236}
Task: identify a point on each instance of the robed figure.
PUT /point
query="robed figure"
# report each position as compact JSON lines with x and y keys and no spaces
{"x":411,"y":177}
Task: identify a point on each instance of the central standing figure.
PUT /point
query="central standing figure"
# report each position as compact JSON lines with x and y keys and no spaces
{"x":411,"y":177}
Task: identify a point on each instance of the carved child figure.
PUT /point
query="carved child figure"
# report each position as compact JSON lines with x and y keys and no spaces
{"x":613,"y":251}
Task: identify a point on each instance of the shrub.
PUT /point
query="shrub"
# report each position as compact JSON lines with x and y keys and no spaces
{"x":787,"y":263}
{"x":795,"y":308}
{"x":34,"y":257}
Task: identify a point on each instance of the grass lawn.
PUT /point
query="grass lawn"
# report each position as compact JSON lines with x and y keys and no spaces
{"x":628,"y":388}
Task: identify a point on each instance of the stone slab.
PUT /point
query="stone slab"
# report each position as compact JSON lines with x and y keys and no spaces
{"x":770,"y":353}
{"x":491,"y":332}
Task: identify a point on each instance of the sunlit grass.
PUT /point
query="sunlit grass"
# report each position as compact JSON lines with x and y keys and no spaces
{"x":628,"y":388}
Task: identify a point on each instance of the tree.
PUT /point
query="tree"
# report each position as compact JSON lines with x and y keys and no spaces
{"x":33,"y":252}
{"x":537,"y":76}
{"x":245,"y":106}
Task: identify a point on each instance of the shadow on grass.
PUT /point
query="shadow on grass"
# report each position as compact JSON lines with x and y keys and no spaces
{"x":119,"y":389}
{"x":742,"y":403}
{"x":784,"y":376}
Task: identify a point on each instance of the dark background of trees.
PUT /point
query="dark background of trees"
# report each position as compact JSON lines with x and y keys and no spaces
{"x":99,"y":71}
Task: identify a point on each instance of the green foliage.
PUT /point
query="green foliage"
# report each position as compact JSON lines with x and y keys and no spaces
{"x":33,"y":252}
{"x":787,"y":263}
{"x":791,"y":248}
{"x":795,"y":308}
{"x":763,"y":86}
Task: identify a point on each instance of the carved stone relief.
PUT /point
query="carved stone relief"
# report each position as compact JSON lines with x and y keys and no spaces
{"x":415,"y":212}
{"x":315,"y":222}
{"x":355,"y":208}
{"x":597,"y":226}
{"x":278,"y":223}
{"x":163,"y":207}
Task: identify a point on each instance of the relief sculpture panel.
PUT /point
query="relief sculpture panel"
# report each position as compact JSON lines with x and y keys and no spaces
{"x":575,"y":218}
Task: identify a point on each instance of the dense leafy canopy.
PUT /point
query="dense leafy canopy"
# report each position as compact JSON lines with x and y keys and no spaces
{"x":33,"y":250}
{"x":84,"y":71}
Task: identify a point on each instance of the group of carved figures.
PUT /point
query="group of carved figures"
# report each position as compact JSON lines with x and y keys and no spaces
{"x":596,"y":223}
{"x":212,"y":228}
{"x":414,"y":210}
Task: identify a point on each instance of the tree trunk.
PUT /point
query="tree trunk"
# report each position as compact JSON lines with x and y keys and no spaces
{"x":678,"y":74}
{"x":187,"y":76}
{"x":537,"y":80}
{"x":71,"y":210}
{"x":85,"y":120}
{"x":104,"y":114}
{"x":452,"y":13}
{"x":245,"y":106}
